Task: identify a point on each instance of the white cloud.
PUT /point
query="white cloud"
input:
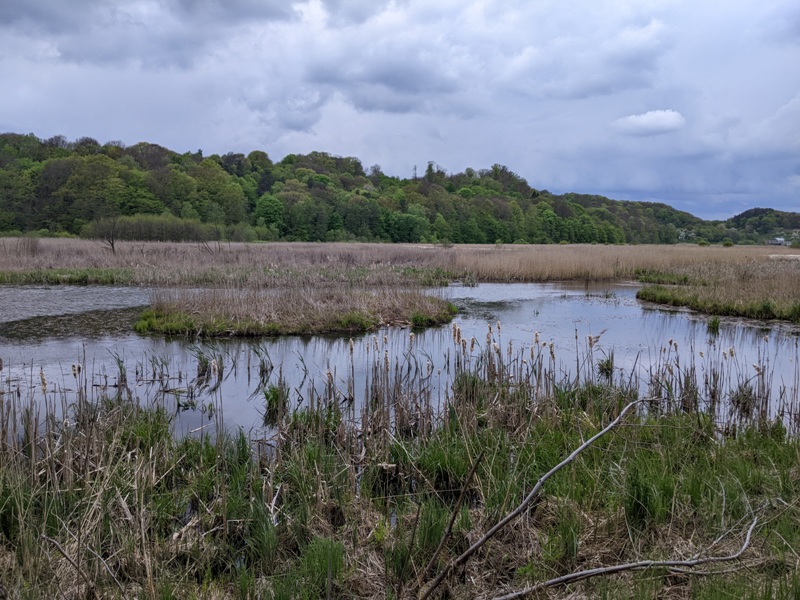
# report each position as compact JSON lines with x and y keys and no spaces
{"x":653,"y":122}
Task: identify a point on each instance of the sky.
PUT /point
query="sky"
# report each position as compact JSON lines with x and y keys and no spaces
{"x":695,"y":104}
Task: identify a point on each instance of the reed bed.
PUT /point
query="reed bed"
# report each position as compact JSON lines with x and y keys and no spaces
{"x":374,"y":488}
{"x":757,"y":289}
{"x":295,"y":310}
{"x":155,"y":263}
{"x":749,"y":281}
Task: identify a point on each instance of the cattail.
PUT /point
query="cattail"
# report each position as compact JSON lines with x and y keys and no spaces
{"x":536,"y":338}
{"x":731,"y":352}
{"x":472,"y":343}
{"x":74,"y":371}
{"x":498,"y":327}
{"x":352,"y":346}
{"x":43,"y":380}
{"x":214,"y":367}
{"x":463,"y":346}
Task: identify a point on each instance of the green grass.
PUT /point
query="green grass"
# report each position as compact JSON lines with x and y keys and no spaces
{"x":719,"y":306}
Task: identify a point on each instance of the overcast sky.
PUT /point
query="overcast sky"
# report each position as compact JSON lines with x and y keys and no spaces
{"x":692,"y":103}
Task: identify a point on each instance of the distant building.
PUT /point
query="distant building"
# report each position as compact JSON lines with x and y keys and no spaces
{"x":778,"y":241}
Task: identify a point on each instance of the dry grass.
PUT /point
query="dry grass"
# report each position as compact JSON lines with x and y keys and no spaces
{"x":293,"y":310}
{"x":154,"y":263}
{"x":757,"y":288}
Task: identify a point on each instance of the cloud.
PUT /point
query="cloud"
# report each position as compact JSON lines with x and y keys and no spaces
{"x":153,"y":33}
{"x":537,"y":86}
{"x":654,"y":122}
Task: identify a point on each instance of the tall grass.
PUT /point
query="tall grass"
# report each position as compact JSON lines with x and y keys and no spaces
{"x":756,"y":289}
{"x":339,"y":497}
{"x":165,"y":263}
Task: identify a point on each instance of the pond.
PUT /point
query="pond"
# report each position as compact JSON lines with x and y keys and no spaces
{"x":58,"y":340}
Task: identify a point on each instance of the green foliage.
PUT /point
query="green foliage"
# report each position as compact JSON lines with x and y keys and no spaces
{"x":61,"y":186}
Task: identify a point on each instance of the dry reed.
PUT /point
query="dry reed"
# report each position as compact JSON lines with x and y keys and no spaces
{"x":156,"y":263}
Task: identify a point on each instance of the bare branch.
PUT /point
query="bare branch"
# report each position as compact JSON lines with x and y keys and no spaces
{"x":532,"y":495}
{"x":635,"y":566}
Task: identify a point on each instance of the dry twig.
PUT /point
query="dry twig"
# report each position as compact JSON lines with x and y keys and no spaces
{"x":635,"y":566}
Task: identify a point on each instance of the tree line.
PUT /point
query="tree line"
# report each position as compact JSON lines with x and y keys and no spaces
{"x":59,"y":187}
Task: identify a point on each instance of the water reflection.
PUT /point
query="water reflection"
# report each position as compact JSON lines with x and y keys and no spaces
{"x":50,"y":329}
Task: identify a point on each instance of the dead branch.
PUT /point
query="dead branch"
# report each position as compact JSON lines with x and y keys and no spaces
{"x":635,"y":566}
{"x":527,"y":501}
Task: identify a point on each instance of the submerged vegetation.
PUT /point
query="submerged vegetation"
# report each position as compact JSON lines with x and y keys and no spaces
{"x":489,"y":478}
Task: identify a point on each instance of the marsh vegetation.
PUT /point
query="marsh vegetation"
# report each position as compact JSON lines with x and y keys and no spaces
{"x":476,"y":473}
{"x":408,"y":493}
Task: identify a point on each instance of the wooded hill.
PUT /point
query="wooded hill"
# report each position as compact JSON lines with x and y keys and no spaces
{"x":145,"y":191}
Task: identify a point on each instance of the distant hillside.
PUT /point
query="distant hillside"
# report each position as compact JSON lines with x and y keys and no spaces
{"x":145,"y":191}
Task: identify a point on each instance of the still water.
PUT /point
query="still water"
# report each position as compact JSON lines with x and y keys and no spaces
{"x":47,"y":332}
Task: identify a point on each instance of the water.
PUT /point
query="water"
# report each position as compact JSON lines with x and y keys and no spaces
{"x":51,"y":330}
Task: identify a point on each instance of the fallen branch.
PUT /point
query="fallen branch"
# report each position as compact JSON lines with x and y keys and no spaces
{"x":635,"y":566}
{"x":532,"y":495}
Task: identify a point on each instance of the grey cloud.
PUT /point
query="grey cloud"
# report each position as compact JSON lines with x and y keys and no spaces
{"x":345,"y":12}
{"x":49,"y":16}
{"x":233,"y":11}
{"x":389,"y":79}
{"x":580,"y":66}
{"x":153,"y":33}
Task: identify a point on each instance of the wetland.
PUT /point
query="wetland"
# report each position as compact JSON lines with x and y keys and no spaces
{"x":556,"y":427}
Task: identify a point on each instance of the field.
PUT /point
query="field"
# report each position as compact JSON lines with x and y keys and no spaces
{"x":523,"y":483}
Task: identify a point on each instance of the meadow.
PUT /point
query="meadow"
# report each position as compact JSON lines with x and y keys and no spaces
{"x":514,"y":479}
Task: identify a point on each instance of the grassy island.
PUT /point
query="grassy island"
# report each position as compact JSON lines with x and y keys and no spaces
{"x":304,"y":311}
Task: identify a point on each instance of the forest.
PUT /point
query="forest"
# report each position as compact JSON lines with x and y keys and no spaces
{"x":58,"y":187}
